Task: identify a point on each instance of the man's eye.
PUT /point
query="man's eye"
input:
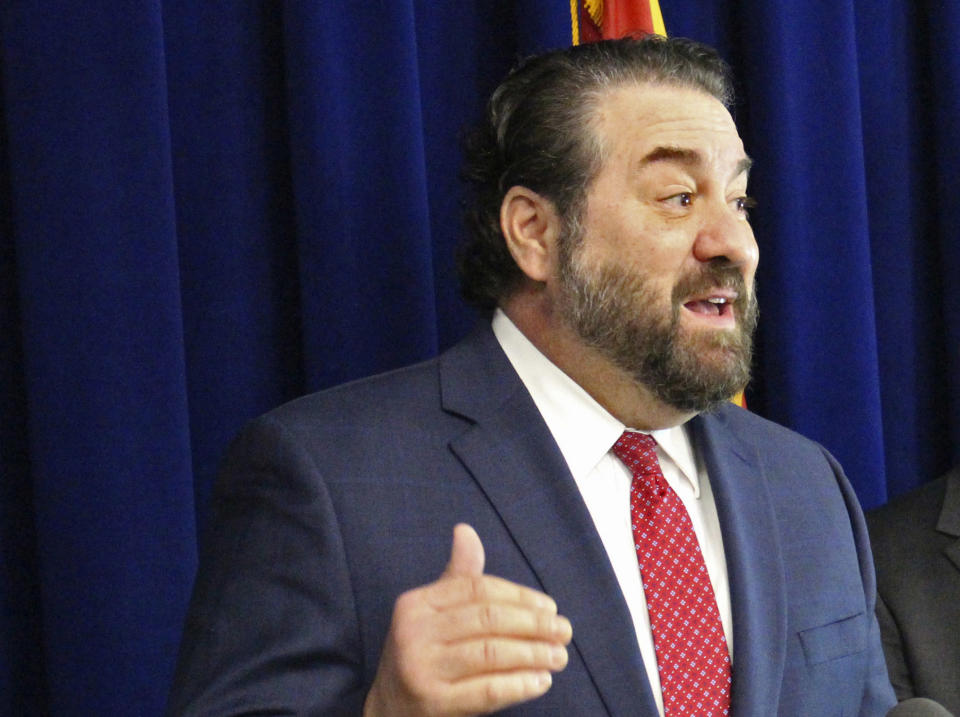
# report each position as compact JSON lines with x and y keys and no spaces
{"x":683,"y":199}
{"x":744,"y":204}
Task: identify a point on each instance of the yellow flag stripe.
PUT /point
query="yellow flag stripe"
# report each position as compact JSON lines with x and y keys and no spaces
{"x":657,"y":17}
{"x":575,"y":20}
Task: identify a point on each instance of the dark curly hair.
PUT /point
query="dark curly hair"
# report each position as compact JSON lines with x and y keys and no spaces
{"x":535,"y":135}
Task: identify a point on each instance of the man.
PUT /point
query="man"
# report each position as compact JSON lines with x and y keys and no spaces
{"x":916,"y":540}
{"x":719,"y":566}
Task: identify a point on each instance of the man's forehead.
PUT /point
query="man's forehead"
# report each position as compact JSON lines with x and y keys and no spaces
{"x":663,"y":122}
{"x":651,"y":94}
{"x":660,"y":107}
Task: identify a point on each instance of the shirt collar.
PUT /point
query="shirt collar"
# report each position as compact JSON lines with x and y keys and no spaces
{"x":583,"y":429}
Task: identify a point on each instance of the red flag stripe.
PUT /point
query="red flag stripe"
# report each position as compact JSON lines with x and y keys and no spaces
{"x":594,"y":20}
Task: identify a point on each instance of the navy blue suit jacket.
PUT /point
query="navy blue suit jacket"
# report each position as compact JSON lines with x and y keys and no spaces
{"x":331,"y":506}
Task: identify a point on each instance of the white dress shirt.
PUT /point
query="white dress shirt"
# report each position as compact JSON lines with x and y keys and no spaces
{"x":585,"y":433}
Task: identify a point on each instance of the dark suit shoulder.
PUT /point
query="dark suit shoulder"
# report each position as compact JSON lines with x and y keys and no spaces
{"x":397,"y":390}
{"x":908,"y":534}
{"x":917,"y":556}
{"x":771,"y":440}
{"x":469,"y":381}
{"x":352,"y":432}
{"x":750,"y":423}
{"x":917,"y":510}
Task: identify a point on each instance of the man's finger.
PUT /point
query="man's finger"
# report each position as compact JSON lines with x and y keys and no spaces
{"x":454,"y":590}
{"x":474,"y":620}
{"x":466,"y":553}
{"x":479,"y":695}
{"x":488,"y":656}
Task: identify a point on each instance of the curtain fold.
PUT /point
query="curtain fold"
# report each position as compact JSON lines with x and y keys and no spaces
{"x":942,"y":74}
{"x":101,"y":334}
{"x":906,"y":259}
{"x":362,"y":214}
{"x":235,"y":219}
{"x":815,"y":281}
{"x":207,"y":209}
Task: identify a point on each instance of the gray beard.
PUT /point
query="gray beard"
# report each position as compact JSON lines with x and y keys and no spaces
{"x":617,"y":313}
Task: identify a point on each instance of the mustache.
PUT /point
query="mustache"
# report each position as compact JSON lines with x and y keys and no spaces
{"x":712,"y":277}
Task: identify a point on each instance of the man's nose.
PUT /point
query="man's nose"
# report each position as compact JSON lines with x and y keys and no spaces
{"x":724,"y":234}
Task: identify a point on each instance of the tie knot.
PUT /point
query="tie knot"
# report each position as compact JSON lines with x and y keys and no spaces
{"x":638,"y":451}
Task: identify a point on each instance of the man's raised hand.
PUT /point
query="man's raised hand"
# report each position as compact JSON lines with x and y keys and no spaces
{"x":468,"y":643}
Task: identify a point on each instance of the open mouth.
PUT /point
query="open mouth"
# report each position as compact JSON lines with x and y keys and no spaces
{"x":713,"y":306}
{"x":716,"y":307}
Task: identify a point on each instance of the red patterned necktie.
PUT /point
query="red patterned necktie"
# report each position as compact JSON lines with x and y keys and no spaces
{"x":692,"y":658}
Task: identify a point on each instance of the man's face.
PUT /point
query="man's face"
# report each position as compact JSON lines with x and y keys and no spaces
{"x":659,"y":275}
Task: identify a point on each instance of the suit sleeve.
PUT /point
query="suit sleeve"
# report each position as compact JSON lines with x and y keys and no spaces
{"x":272,"y":626}
{"x":878,"y":695}
{"x":893,"y":649}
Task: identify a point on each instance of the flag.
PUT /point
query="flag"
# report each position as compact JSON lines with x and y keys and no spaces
{"x":593,"y":20}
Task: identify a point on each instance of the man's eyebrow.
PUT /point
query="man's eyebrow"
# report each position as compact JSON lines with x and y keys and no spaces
{"x":680,"y":155}
{"x":689,"y":157}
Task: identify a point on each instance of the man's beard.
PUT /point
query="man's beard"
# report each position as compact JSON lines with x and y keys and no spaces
{"x":619,"y":314}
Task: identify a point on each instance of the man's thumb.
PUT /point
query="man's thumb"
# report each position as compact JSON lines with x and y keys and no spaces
{"x":466,"y":554}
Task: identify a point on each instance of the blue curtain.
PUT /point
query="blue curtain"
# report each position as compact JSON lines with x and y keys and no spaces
{"x":207,"y":208}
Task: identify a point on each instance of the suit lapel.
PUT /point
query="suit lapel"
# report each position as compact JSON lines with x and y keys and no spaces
{"x":949,"y":520}
{"x":513,"y":457}
{"x":754,"y":565}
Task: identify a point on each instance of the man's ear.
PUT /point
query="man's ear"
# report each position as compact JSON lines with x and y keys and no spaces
{"x":530,"y":226}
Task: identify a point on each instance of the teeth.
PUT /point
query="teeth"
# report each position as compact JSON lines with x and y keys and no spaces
{"x":717,"y":300}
